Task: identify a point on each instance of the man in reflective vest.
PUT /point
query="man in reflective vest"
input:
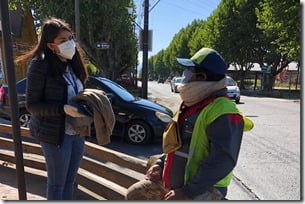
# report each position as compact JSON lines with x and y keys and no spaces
{"x":211,"y":129}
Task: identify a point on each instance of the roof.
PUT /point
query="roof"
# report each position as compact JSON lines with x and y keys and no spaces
{"x":291,"y":66}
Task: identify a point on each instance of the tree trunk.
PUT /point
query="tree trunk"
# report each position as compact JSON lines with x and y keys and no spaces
{"x":268,"y":82}
{"x":241,"y":77}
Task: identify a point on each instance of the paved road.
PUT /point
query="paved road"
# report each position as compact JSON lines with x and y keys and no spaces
{"x":269,"y":162}
{"x":270,"y":156}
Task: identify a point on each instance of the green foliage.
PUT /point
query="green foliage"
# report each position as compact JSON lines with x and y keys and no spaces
{"x":243,"y":32}
{"x":239,"y":39}
{"x":92,"y":69}
{"x":179,"y":47}
{"x":280,"y":22}
{"x":100,"y":21}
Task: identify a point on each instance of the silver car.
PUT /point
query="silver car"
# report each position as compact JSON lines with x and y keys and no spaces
{"x":233,"y":90}
{"x":175,"y":82}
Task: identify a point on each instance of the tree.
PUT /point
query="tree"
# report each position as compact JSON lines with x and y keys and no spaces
{"x":159,"y":66}
{"x":101,"y":21}
{"x":244,"y":32}
{"x":179,"y":47}
{"x":280,"y":23}
{"x":239,"y":38}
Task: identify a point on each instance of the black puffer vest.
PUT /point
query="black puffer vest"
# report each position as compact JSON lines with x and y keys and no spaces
{"x":46,"y":94}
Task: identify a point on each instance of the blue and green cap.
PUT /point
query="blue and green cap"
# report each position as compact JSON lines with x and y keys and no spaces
{"x":206,"y":58}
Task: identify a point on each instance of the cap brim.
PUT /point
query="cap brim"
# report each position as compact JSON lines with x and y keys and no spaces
{"x":186,"y":62}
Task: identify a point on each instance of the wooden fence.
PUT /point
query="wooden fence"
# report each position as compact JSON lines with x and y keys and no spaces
{"x":105,"y":172}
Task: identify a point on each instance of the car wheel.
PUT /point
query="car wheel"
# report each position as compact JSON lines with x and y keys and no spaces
{"x":237,"y":100}
{"x":24,"y":118}
{"x":176,"y":90}
{"x":138,"y":132}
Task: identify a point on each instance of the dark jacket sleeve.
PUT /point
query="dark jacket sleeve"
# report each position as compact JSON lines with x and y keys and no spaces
{"x":225,"y":135}
{"x":35,"y":91}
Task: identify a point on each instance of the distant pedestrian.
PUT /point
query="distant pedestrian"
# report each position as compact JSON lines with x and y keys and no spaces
{"x":56,"y":73}
{"x":202,"y":143}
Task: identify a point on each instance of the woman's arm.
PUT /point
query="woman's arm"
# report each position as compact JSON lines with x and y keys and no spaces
{"x":35,"y":90}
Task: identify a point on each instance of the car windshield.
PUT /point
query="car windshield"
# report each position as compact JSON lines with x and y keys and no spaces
{"x":178,"y":80}
{"x":119,"y":90}
{"x":230,"y":82}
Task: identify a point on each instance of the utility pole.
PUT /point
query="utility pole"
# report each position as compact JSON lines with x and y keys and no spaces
{"x":145,"y":50}
{"x":10,"y":71}
{"x":77,"y":21}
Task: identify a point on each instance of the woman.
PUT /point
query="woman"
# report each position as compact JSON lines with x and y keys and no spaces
{"x":56,"y":73}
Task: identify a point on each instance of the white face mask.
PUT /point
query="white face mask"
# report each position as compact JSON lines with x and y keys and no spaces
{"x":187,"y":75}
{"x":67,"y":49}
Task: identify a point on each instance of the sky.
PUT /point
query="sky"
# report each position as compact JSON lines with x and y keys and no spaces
{"x":169,"y":16}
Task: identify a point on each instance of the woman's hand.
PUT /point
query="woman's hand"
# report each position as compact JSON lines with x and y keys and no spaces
{"x":72,"y":111}
{"x":154,"y":173}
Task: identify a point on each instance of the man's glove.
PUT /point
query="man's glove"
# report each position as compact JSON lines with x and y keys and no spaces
{"x":73,"y":111}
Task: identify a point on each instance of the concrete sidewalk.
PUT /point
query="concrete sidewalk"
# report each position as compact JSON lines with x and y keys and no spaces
{"x":36,"y":181}
{"x":36,"y":186}
{"x":8,"y":183}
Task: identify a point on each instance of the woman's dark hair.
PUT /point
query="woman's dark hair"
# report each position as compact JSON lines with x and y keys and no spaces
{"x":50,"y":30}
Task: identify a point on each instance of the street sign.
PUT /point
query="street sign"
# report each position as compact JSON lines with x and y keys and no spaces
{"x":102,"y":45}
{"x":264,"y":69}
{"x":150,"y":33}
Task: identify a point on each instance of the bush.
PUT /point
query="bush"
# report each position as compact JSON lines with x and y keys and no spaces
{"x":92,"y":69}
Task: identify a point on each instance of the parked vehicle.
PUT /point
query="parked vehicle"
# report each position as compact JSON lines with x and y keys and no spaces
{"x":125,"y":80}
{"x":160,"y":80}
{"x":139,"y":121}
{"x":233,"y":89}
{"x":175,"y":82}
{"x":5,"y":107}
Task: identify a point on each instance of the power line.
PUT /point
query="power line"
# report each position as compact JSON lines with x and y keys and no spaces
{"x":154,"y":5}
{"x":140,"y":17}
{"x":140,"y":12}
{"x":185,"y":9}
{"x":212,"y":5}
{"x":200,"y":5}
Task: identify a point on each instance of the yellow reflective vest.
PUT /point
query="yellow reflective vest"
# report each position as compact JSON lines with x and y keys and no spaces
{"x":199,"y":146}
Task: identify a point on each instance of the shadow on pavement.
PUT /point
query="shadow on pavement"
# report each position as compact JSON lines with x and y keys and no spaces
{"x":35,"y":184}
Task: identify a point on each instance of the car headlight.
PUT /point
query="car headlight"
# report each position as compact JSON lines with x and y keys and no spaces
{"x":163,"y":117}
